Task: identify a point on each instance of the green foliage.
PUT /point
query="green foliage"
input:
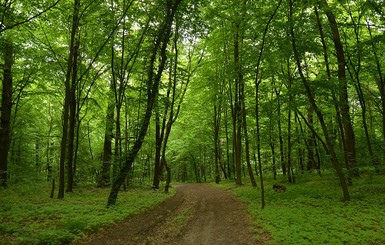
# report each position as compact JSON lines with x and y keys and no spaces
{"x":29,"y":216}
{"x":310,"y":212}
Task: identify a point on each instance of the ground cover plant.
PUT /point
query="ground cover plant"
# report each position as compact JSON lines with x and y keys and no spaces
{"x":311,"y":211}
{"x":29,"y":216}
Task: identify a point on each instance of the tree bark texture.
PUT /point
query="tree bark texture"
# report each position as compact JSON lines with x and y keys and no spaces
{"x":6,"y":109}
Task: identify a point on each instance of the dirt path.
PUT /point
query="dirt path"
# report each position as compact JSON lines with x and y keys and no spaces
{"x":198,"y":214}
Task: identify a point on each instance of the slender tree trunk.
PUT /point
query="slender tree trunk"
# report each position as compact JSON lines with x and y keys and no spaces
{"x":160,"y":141}
{"x":76,"y":150}
{"x":117,"y":149}
{"x":289,"y":167}
{"x":196,"y":169}
{"x":310,"y":141}
{"x":246,"y":136}
{"x":280,"y":135}
{"x":257,"y":83}
{"x":259,"y":144}
{"x":335,"y":100}
{"x":227,"y":145}
{"x":49,"y":146}
{"x":344,"y":100}
{"x":217,"y":121}
{"x":233,"y":129}
{"x":289,"y":160}
{"x":66,"y":109}
{"x":310,"y":96}
{"x":104,"y":179}
{"x":354,"y":72}
{"x":5,"y":113}
{"x":271,"y":135}
{"x":174,"y":113}
{"x":160,"y":45}
{"x":237,"y":110}
{"x":380,"y":81}
{"x":158,"y":148}
{"x":72,"y":120}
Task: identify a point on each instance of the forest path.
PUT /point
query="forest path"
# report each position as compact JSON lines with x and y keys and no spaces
{"x":197,"y":214}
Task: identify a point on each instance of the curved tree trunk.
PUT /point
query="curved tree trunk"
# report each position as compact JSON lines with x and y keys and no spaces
{"x":160,"y":45}
{"x":350,"y":145}
{"x":317,"y":110}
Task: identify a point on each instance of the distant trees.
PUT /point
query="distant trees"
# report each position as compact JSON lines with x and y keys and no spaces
{"x":212,"y":90}
{"x":297,"y":80}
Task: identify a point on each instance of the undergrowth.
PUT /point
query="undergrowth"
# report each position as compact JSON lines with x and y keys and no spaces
{"x":29,"y":216}
{"x":311,"y":211}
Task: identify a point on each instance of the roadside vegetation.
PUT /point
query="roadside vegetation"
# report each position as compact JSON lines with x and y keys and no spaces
{"x":29,"y":216}
{"x":311,"y":211}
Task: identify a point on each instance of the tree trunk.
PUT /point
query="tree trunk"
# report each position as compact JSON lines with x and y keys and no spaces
{"x":280,"y":136}
{"x":117,"y":149}
{"x":259,"y":144}
{"x":104,"y":179}
{"x":380,"y":85}
{"x":72,"y":119}
{"x":237,"y":114}
{"x":335,"y":101}
{"x":257,"y":83}
{"x":310,"y":141}
{"x":158,"y":148}
{"x":344,"y":101}
{"x":312,"y":101}
{"x":168,"y":178}
{"x":354,"y":72}
{"x":289,"y":163}
{"x":227,"y":145}
{"x":66,"y":109}
{"x":217,"y":121}
{"x":196,"y":169}
{"x":153,"y":80}
{"x":5,"y":113}
{"x":245,"y":132}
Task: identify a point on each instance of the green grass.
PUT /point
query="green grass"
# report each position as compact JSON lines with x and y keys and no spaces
{"x":29,"y":216}
{"x":311,"y":211}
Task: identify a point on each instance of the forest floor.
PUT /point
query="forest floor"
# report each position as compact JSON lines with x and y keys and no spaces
{"x":197,"y":214}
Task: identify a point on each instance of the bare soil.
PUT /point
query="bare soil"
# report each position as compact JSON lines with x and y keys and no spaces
{"x":197,"y":214}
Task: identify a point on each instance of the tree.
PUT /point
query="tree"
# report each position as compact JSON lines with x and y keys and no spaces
{"x":310,"y":96}
{"x":153,"y":80}
{"x":71,"y":75}
{"x":104,"y":179}
{"x":258,"y":81}
{"x":349,"y":143}
{"x":6,"y":108}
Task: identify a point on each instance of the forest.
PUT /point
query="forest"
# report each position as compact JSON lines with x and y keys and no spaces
{"x":113,"y":102}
